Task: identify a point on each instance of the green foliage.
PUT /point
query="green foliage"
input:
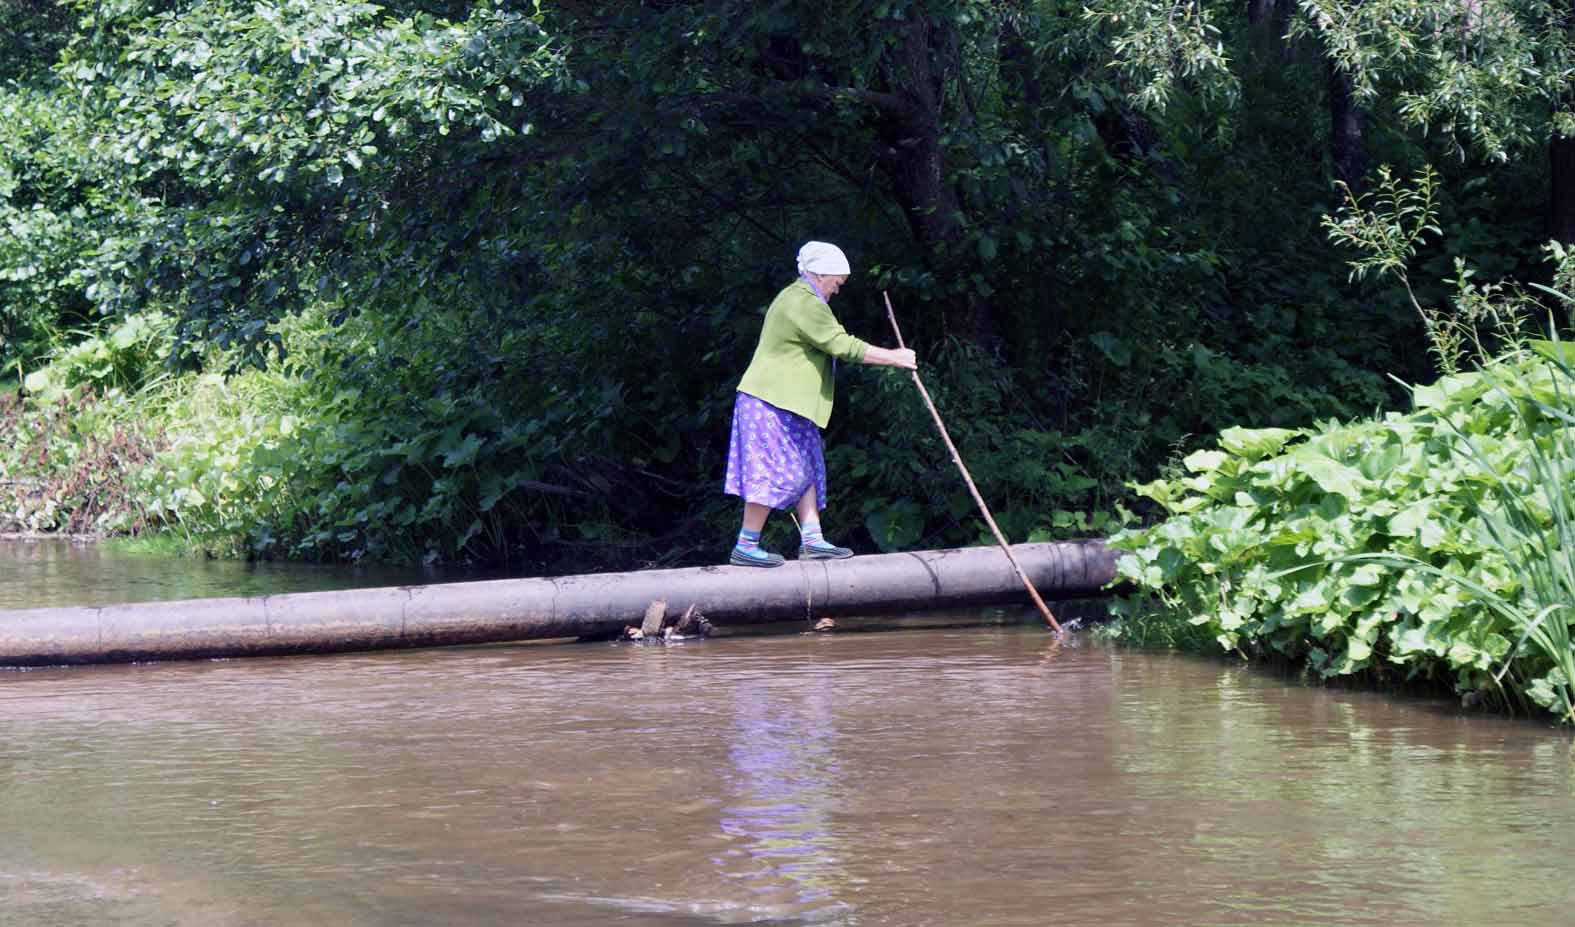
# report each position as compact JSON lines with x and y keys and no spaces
{"x":1039,"y":483}
{"x":52,"y":245}
{"x":1494,"y":77}
{"x":1158,"y":44}
{"x":1491,"y":77}
{"x":349,"y":451}
{"x":1387,"y":226}
{"x":1530,"y":520}
{"x":263,"y":153}
{"x":1433,"y":541}
{"x":77,"y":442}
{"x":127,"y":358}
{"x":70,"y":465}
{"x":35,"y":31}
{"x":475,"y":281}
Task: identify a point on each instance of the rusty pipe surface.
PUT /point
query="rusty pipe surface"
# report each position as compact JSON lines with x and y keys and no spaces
{"x":523,"y":609}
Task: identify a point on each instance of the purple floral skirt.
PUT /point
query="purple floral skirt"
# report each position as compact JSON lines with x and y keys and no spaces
{"x":775,"y":455}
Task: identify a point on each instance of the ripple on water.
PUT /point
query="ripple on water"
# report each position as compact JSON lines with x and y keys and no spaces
{"x":976,"y":777}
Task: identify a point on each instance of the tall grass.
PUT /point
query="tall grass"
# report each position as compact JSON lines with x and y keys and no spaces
{"x":1528,"y":514}
{"x":1438,"y":541}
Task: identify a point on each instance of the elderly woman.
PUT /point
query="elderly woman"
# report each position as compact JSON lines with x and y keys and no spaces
{"x":775,"y":460}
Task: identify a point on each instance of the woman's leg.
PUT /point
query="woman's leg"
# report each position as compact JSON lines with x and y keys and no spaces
{"x":812,"y":544}
{"x":747,"y":551}
{"x":808,"y":507}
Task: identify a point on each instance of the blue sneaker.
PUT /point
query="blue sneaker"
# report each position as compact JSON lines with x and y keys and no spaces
{"x":823,"y":550}
{"x":759,"y":557}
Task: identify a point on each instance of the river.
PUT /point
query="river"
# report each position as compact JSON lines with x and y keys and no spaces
{"x":980,"y":776}
{"x":50,"y":572}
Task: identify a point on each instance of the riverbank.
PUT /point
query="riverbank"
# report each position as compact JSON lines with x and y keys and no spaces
{"x":9,"y":535}
{"x":1438,"y":544}
{"x":331,"y":453}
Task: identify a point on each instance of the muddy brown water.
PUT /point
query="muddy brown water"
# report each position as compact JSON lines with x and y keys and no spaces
{"x":978,"y":776}
{"x":50,"y":572}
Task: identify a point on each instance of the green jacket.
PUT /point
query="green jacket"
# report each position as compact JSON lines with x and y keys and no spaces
{"x":792,"y":364}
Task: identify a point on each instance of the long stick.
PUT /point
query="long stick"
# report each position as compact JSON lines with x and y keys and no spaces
{"x":957,"y":459}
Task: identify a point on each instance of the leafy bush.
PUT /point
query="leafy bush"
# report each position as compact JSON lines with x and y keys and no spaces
{"x":80,"y":434}
{"x":1436,"y":542}
{"x":336,"y":454}
{"x":127,"y":358}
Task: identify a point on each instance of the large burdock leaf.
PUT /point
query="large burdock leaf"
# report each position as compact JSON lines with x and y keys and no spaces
{"x":1255,"y":443}
{"x":1312,"y":600}
{"x":1463,"y":653}
{"x":1435,"y":537}
{"x":1410,"y":520}
{"x":1450,"y":391}
{"x":461,"y":453}
{"x":1333,"y":476}
{"x":1378,"y":463}
{"x":1417,"y":640}
{"x":1204,"y":461}
{"x":1355,"y":597}
{"x":1555,"y":351}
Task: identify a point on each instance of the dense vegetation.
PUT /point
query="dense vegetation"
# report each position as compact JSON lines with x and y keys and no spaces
{"x":1438,"y":544}
{"x":453,"y":280}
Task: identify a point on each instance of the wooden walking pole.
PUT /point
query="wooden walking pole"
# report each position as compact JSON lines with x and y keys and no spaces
{"x":957,"y":459}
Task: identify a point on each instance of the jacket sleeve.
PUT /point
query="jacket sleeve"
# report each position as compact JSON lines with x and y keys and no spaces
{"x":818,"y":327}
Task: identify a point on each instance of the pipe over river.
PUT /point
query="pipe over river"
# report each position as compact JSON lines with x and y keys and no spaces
{"x":565,"y":606}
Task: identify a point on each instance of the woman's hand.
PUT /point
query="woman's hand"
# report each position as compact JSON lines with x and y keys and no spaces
{"x":892,"y":357}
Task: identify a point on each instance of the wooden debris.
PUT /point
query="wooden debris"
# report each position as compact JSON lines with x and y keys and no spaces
{"x":692,"y":624}
{"x":654,"y":613}
{"x":659,"y":627}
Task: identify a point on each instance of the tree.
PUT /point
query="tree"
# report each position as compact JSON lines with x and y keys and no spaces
{"x":511,"y":255}
{"x":1490,"y":76}
{"x":33,"y":32}
{"x":272,"y":148}
{"x":868,"y":99}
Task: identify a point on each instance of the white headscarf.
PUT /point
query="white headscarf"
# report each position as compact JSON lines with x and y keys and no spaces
{"x":819,"y":257}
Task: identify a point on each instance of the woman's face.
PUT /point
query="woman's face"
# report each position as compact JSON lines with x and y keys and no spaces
{"x":831,"y":283}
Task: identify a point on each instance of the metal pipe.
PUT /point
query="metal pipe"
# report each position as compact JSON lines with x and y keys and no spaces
{"x":523,"y":609}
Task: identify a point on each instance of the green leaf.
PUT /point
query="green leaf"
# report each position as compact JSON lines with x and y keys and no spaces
{"x":464,"y":453}
{"x":1379,"y":463}
{"x":1332,"y":477}
{"x":896,"y":527}
{"x":1204,"y":461}
{"x":1255,"y":443}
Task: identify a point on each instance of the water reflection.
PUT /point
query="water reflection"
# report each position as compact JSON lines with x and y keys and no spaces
{"x":1304,"y":792}
{"x":783,"y":785}
{"x":58,"y":572}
